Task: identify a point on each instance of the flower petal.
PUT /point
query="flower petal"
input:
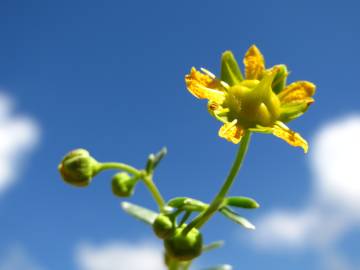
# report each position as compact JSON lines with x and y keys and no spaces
{"x":297,"y":92}
{"x":254,"y":63}
{"x":204,"y":86}
{"x":291,"y":137}
{"x":231,"y":132}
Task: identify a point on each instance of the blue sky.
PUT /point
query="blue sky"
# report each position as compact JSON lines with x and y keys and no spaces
{"x":109,"y":76}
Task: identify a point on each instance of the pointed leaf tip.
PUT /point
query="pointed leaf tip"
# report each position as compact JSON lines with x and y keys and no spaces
{"x":227,"y":212}
{"x":141,"y":213}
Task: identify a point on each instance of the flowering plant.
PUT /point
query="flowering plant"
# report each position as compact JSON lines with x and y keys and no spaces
{"x":260,"y":101}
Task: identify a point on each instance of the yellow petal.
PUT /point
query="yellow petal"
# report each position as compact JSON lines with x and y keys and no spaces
{"x":254,"y":63}
{"x":204,"y":86}
{"x":231,"y":132}
{"x":297,"y":92}
{"x":291,"y":137}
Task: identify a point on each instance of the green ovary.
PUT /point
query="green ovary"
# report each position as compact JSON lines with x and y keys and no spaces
{"x":249,"y":108}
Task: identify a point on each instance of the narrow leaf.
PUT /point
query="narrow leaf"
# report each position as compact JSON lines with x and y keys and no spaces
{"x":159,"y":156}
{"x":220,"y":267}
{"x":243,"y":202}
{"x":187,"y":204}
{"x":227,"y":212}
{"x":213,"y":245}
{"x":139,"y":212}
{"x":150,"y":163}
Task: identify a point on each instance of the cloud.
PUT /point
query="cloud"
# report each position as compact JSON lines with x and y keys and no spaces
{"x":16,"y":258}
{"x":18,"y":136}
{"x":119,"y":255}
{"x":333,"y":208}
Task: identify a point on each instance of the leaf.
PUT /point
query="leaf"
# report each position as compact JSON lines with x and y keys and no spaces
{"x":154,"y":160}
{"x":220,"y":267}
{"x":187,"y":204}
{"x":243,"y":202}
{"x":159,"y":156}
{"x":150,"y":163}
{"x":139,"y":212}
{"x":213,"y":245}
{"x":227,"y":212}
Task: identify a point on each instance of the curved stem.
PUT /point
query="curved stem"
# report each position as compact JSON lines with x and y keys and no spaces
{"x":139,"y":173}
{"x":119,"y":166}
{"x":202,"y":218}
{"x":154,"y":191}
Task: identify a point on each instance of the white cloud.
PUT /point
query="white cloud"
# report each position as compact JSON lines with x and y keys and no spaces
{"x":16,"y":258}
{"x":18,"y":136}
{"x":336,"y":162}
{"x":120,"y":255}
{"x":333,"y":207}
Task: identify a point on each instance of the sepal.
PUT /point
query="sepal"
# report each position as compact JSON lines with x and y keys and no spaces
{"x":279,"y":82}
{"x":230,"y":71}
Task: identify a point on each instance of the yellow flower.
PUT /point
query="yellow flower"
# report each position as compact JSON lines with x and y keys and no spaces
{"x":259,"y":103}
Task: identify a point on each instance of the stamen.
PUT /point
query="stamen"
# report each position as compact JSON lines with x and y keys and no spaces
{"x":207,"y":72}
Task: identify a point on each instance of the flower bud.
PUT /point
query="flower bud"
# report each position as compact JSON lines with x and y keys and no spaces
{"x":123,"y":185}
{"x":163,"y":227}
{"x":184,"y":247}
{"x":78,"y":168}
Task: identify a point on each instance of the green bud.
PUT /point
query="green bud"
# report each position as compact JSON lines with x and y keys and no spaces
{"x":78,"y":168}
{"x":163,"y":226}
{"x":123,"y":185}
{"x":184,"y":247}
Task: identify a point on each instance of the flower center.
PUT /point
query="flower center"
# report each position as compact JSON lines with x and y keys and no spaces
{"x":249,"y":107}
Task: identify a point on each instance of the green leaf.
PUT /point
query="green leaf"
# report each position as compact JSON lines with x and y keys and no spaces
{"x":227,"y":212}
{"x":187,"y":204}
{"x":154,"y":160}
{"x":230,"y":71}
{"x":159,"y":156}
{"x":139,"y":212}
{"x":220,"y":267}
{"x":212,"y":246}
{"x":242,"y":202}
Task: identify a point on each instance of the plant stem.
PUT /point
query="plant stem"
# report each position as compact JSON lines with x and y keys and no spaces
{"x":203,"y":217}
{"x":147,"y":178}
{"x":154,"y":191}
{"x":119,"y":166}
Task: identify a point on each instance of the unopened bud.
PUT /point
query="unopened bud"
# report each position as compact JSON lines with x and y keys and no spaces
{"x":123,"y":185}
{"x":78,"y":168}
{"x":184,"y":247}
{"x":163,"y":226}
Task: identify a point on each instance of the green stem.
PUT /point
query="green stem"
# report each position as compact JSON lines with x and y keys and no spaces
{"x":154,"y":191}
{"x":203,"y":217}
{"x":119,"y":166}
